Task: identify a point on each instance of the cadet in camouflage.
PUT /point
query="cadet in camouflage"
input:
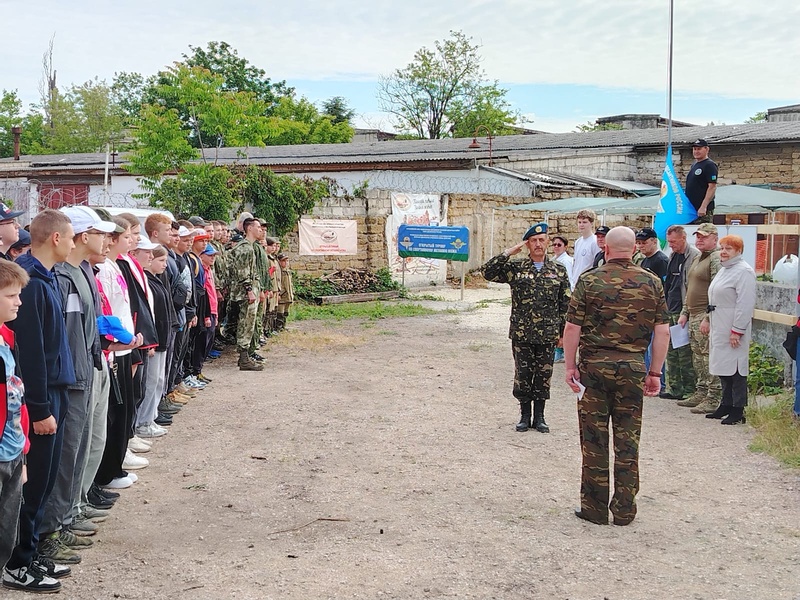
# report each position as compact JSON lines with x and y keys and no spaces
{"x":245,"y":291}
{"x":539,"y":300}
{"x":612,"y":315}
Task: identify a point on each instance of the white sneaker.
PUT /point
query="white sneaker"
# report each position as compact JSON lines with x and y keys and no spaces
{"x":133,"y":462}
{"x":138,"y":439}
{"x":133,"y":477}
{"x":136,"y":444}
{"x":150,"y":431}
{"x":159,"y":429}
{"x":193,"y":382}
{"x":119,"y":483}
{"x":30,"y":579}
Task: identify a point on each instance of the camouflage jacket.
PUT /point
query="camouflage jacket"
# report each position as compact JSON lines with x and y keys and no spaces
{"x":220,"y":265}
{"x":262,"y":262}
{"x":617,"y":306}
{"x":243,"y":271}
{"x":539,"y":299}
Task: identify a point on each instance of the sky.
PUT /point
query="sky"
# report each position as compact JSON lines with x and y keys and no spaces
{"x":563,"y":62}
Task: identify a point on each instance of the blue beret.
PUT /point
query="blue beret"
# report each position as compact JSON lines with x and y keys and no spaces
{"x":537,"y":229}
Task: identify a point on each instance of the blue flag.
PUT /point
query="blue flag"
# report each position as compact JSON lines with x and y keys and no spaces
{"x":674,"y":207}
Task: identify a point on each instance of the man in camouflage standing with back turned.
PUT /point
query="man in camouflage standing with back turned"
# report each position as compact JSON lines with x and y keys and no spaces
{"x":613,"y":313}
{"x":539,"y":300}
{"x":245,"y":291}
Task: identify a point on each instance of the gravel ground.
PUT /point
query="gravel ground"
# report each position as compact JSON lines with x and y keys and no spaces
{"x":379,"y":460}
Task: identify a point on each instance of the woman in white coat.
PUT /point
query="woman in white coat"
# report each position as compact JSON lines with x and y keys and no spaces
{"x":731,"y":299}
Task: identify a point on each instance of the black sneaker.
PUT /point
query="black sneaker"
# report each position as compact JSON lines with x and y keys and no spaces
{"x":163,"y":420}
{"x":30,"y":579}
{"x":258,"y":357}
{"x":111,"y":495}
{"x":99,"y":501}
{"x":47,"y":567}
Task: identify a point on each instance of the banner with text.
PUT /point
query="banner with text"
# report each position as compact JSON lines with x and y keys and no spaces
{"x":326,"y":237}
{"x":414,"y":209}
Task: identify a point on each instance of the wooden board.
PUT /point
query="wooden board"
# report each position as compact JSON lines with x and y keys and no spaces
{"x":366,"y":297}
{"x":773,"y":317}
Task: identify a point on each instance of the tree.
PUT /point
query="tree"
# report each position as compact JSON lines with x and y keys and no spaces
{"x":201,"y":189}
{"x":128,"y":94}
{"x":299,"y":122}
{"x":589,"y":126}
{"x":338,"y":109}
{"x":10,"y":115}
{"x":488,"y":107}
{"x":439,"y":88}
{"x":237,"y":73}
{"x":759,"y":117}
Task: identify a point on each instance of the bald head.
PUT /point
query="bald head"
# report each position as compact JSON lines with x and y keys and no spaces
{"x":620,"y":243}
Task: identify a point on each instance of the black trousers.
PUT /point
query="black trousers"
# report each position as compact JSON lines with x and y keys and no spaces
{"x":121,"y":408}
{"x":734,"y":389}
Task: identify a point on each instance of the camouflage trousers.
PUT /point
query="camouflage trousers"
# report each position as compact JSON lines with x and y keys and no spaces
{"x":613,"y":391}
{"x":533,"y":369}
{"x":707,"y":385}
{"x":257,"y":328}
{"x":706,"y":218}
{"x":246,"y":324}
{"x":680,"y":372}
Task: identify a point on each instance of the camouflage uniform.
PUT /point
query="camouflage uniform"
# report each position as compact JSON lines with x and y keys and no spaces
{"x":286,"y":298}
{"x":617,"y":307}
{"x":243,"y":273}
{"x":708,"y":388}
{"x":539,"y":300}
{"x":270,"y":322}
{"x":264,"y":280}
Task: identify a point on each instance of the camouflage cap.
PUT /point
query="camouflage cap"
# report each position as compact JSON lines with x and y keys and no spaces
{"x":106,"y":216}
{"x":537,"y":229}
{"x":707,"y":229}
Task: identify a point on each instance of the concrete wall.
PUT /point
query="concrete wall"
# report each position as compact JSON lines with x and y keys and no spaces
{"x":781,"y":299}
{"x":617,"y":163}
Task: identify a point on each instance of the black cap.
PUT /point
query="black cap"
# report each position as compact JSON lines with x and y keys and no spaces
{"x":6,"y":213}
{"x":602,"y":230}
{"x":24,"y":240}
{"x":645,"y":233}
{"x":198,"y":221}
{"x":700,"y":143}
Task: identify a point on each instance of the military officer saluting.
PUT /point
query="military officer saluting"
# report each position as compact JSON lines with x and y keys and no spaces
{"x":539,"y":302}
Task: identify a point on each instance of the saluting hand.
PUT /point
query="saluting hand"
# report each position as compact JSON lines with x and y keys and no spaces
{"x":514,"y":249}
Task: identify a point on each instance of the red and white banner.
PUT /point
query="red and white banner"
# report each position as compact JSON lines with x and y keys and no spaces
{"x":326,"y":237}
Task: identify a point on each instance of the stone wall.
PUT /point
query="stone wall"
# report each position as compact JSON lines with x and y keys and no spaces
{"x":617,"y":163}
{"x":370,"y":215}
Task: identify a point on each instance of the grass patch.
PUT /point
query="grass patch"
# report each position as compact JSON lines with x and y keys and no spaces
{"x":360,"y":310}
{"x":478,"y":346}
{"x":778,"y":433}
{"x":296,"y":341}
{"x":432,"y":297}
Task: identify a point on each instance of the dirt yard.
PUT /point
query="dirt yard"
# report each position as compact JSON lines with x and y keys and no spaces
{"x":379,"y":460}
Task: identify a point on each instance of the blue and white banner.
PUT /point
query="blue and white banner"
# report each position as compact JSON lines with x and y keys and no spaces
{"x":674,"y":207}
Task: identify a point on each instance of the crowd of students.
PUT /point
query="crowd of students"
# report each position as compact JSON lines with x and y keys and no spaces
{"x":104,"y":332}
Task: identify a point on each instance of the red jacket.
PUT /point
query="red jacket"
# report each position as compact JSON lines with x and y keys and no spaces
{"x":8,"y":336}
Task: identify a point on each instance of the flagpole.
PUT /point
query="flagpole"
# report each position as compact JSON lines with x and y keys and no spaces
{"x":669,"y":77}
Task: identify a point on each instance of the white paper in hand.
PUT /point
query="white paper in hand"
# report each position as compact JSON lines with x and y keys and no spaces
{"x":679,"y":336}
{"x":581,"y":388}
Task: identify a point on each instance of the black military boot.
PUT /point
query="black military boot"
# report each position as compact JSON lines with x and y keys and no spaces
{"x":525,"y":416}
{"x":539,"y":423}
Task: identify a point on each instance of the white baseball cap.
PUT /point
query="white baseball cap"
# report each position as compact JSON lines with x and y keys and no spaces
{"x":183,"y":232}
{"x":146,"y":244}
{"x":84,"y":218}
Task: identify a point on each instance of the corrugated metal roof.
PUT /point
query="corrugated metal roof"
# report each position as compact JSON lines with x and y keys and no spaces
{"x":405,"y":151}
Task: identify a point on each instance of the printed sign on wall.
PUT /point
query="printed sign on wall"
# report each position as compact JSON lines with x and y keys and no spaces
{"x":326,"y":237}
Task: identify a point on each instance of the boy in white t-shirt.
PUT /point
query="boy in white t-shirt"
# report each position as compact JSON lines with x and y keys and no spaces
{"x":585,"y":246}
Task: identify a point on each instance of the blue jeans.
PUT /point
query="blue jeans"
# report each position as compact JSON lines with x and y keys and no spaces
{"x":797,"y":382}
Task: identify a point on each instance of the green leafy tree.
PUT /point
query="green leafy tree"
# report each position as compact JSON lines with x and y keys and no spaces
{"x":162,"y":146}
{"x":10,"y":115}
{"x":280,"y":199}
{"x":338,"y":110}
{"x":299,"y":122}
{"x":200,"y":189}
{"x":128,"y":91}
{"x":759,"y":117}
{"x":488,"y":107}
{"x":589,"y":126}
{"x":237,"y":73}
{"x":439,"y":88}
